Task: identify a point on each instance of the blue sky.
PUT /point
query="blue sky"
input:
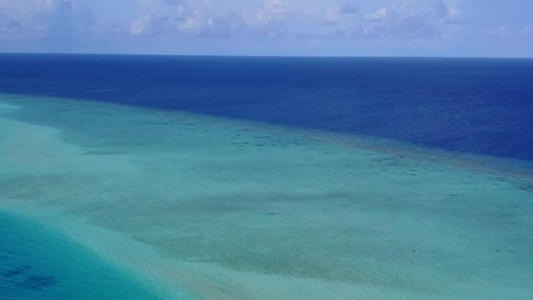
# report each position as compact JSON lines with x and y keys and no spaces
{"x":472,"y":28}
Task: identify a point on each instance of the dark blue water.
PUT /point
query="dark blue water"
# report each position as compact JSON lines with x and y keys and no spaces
{"x":482,"y":106}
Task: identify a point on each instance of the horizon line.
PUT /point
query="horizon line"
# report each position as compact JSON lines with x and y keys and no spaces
{"x":257,"y":56}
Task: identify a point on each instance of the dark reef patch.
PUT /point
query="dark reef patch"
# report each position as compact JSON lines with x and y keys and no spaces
{"x":21,"y":270}
{"x":38,"y":282}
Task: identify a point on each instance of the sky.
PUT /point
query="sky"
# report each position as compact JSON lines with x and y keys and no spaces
{"x":434,"y":28}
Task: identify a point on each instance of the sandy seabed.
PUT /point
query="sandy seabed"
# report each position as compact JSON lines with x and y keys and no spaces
{"x":209,"y":208}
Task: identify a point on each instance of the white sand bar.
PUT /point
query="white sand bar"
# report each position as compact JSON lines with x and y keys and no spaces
{"x":226,"y":209}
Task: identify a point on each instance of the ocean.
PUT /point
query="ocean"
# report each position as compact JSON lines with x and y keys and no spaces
{"x":177,"y":177}
{"x":40,"y":264}
{"x":480,"y":106}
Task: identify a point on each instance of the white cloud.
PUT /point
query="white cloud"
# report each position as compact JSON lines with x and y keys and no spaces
{"x":500,"y":32}
{"x":67,"y":19}
{"x":348,"y":8}
{"x":108,"y":27}
{"x":54,"y":21}
{"x":527,"y":31}
{"x":182,"y":18}
{"x":277,"y":6}
{"x":409,"y":20}
{"x":250,"y":22}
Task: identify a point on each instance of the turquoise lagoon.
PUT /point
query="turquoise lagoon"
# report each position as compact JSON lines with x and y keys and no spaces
{"x":153,"y":204}
{"x":38,"y":263}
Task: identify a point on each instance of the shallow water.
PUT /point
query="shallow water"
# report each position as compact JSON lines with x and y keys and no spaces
{"x":226,"y":209}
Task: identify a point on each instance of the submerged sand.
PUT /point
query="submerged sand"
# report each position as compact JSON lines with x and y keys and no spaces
{"x":225,"y":209}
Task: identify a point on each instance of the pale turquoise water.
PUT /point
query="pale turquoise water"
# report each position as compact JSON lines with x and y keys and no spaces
{"x":234,"y":210}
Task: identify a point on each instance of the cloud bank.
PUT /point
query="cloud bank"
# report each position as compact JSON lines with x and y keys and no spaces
{"x":60,"y":19}
{"x":61,"y":24}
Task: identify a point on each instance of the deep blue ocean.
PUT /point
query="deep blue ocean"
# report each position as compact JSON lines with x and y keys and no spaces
{"x":481,"y":106}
